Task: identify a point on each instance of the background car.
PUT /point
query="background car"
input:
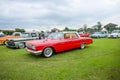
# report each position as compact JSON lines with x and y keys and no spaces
{"x":2,"y":34}
{"x":14,"y":35}
{"x":20,"y":42}
{"x":114,"y":34}
{"x":57,"y":42}
{"x":99,"y":35}
{"x":84,"y":34}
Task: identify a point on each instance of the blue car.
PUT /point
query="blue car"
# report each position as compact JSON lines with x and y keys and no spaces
{"x":99,"y":35}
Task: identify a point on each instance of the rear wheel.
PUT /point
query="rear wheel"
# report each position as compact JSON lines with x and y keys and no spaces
{"x":48,"y":52}
{"x":21,"y":45}
{"x":82,"y":46}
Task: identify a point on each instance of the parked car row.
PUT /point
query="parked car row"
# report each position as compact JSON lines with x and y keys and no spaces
{"x":102,"y":34}
{"x":55,"y":42}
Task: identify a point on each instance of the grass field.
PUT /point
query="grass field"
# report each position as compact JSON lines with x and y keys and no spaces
{"x":99,"y":61}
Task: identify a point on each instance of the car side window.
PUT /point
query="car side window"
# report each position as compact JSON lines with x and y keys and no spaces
{"x":67,"y":36}
{"x":74,"y":35}
{"x":70,"y":36}
{"x":33,"y":34}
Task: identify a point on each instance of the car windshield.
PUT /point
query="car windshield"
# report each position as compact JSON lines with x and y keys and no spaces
{"x":55,"y":35}
{"x":25,"y":35}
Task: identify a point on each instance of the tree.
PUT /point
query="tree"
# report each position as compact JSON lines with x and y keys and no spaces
{"x":55,"y":30}
{"x":19,"y":30}
{"x":66,"y":29}
{"x":99,"y":25}
{"x":85,"y":27}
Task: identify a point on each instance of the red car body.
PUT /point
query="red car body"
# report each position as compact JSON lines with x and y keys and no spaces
{"x":58,"y":44}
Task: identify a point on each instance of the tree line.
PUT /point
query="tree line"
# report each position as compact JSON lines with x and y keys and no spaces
{"x":98,"y":27}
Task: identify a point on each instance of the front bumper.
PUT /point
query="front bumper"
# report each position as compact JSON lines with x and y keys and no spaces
{"x":34,"y":52}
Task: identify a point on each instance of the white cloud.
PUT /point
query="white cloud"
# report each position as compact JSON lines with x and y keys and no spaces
{"x":41,"y":14}
{"x":114,"y":18}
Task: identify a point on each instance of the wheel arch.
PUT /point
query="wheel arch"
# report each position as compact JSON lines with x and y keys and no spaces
{"x":50,"y":47}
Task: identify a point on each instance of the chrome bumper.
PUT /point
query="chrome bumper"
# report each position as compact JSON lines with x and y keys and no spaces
{"x":34,"y":52}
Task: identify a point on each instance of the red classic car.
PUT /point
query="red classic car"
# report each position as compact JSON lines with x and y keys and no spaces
{"x":84,"y":34}
{"x":57,"y":42}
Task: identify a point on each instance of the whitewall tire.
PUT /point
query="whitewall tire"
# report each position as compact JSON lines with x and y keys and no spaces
{"x":21,"y":45}
{"x":48,"y":52}
{"x":82,"y":46}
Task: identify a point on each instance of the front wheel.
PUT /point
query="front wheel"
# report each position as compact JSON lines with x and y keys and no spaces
{"x":82,"y":46}
{"x":21,"y":45}
{"x":48,"y":52}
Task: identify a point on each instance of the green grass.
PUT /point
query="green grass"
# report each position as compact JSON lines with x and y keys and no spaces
{"x":99,"y":61}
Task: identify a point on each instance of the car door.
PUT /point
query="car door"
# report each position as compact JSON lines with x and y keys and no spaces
{"x":62,"y":45}
{"x":75,"y":41}
{"x":72,"y":42}
{"x":65,"y":43}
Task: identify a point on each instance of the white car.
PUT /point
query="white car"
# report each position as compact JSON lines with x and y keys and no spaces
{"x":114,"y":34}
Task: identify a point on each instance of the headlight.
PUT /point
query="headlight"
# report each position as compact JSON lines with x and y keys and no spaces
{"x":33,"y":47}
{"x":30,"y":46}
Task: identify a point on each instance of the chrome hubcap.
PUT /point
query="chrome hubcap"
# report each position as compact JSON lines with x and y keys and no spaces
{"x":82,"y":46}
{"x":21,"y":45}
{"x":48,"y":52}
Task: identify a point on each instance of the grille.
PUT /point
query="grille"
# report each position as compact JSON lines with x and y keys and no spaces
{"x":11,"y":43}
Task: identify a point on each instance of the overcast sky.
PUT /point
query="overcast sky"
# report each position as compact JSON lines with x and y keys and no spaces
{"x":47,"y":14}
